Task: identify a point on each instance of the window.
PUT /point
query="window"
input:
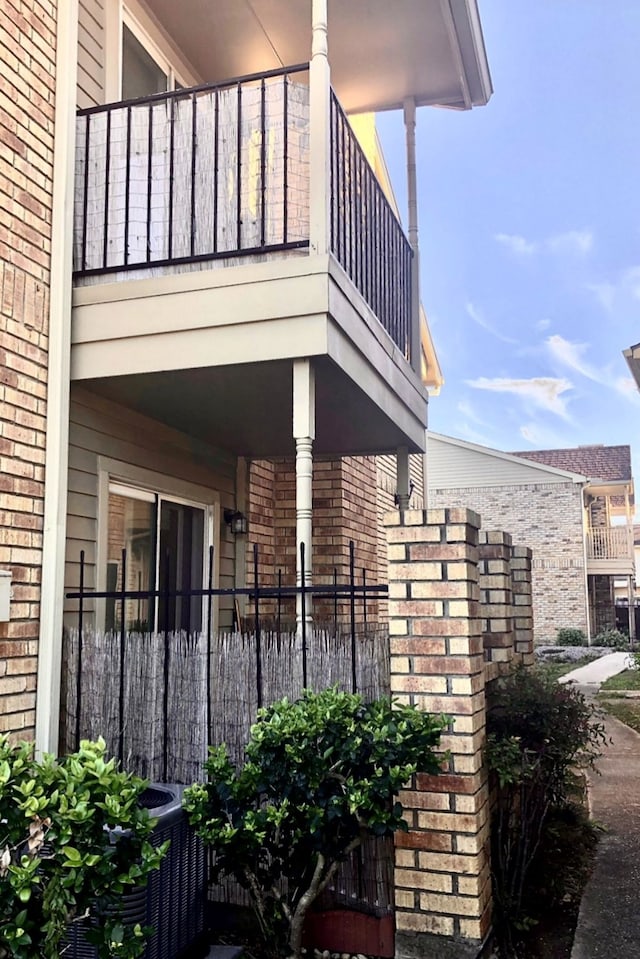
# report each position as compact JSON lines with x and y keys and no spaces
{"x":154,"y":542}
{"x":145,"y":68}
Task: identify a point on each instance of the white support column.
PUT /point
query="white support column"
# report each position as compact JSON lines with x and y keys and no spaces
{"x":412,"y":198}
{"x":304,"y":431}
{"x":402,"y":472}
{"x":319,"y":132}
{"x":632,"y":610}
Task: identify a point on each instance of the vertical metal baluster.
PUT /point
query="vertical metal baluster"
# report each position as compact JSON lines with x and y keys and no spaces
{"x":364,"y":596}
{"x":107,"y":174}
{"x":123,"y":616}
{"x":352,"y":611}
{"x":194,"y":158}
{"x":279,"y":606}
{"x":343,"y":189}
{"x":239,"y":173}
{"x":85,"y":192}
{"x":79,"y":663}
{"x":332,"y":175}
{"x":209,"y":627}
{"x":349,"y":177}
{"x":257,"y":626}
{"x":263,"y":163}
{"x":303,"y":605}
{"x":165,"y":683}
{"x":216,"y":136}
{"x":172,"y":134}
{"x":285,"y":170}
{"x":127,"y":188}
{"x":149,"y":179}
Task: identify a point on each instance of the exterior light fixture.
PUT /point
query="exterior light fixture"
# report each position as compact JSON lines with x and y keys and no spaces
{"x":236,"y":521}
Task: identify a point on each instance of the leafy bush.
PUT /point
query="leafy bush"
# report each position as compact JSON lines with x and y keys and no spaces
{"x":538,"y":733}
{"x":613,"y":638}
{"x":571,"y":636}
{"x":58,"y":863}
{"x":320,"y":775}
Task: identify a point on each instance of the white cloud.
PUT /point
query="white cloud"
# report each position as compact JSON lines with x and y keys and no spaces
{"x":605,"y":294}
{"x":478,"y":317}
{"x":545,"y":392}
{"x":543,"y":325}
{"x":626,"y":386}
{"x":517,"y":244}
{"x":578,"y":242}
{"x":569,"y":243}
{"x":468,"y":410}
{"x":631,"y":279}
{"x":540,"y":436}
{"x":571,"y":355}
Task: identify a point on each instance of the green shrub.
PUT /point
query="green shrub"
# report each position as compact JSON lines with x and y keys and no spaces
{"x":57,"y":861}
{"x":320,"y":775}
{"x":613,"y":638}
{"x":538,"y":733}
{"x":571,"y":636}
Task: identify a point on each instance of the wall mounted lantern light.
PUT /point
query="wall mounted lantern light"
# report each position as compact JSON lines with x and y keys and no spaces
{"x":236,"y":521}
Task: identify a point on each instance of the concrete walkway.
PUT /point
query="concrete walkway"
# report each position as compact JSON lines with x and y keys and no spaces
{"x":597,"y":671}
{"x":609,"y":920}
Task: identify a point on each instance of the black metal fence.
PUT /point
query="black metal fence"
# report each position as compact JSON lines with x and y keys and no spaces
{"x":366,"y":235}
{"x":340,"y":650}
{"x":193,"y":175}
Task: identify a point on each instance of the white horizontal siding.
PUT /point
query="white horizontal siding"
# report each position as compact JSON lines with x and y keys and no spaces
{"x":91,"y":53}
{"x":101,"y":428}
{"x":450,"y":466}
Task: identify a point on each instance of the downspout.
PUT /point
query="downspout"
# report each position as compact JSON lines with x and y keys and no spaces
{"x":412,"y":210}
{"x":585,"y":560}
{"x":58,"y":380}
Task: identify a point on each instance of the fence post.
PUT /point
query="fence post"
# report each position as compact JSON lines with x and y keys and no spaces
{"x":495,"y":549}
{"x":522,"y":596}
{"x":442,"y":876}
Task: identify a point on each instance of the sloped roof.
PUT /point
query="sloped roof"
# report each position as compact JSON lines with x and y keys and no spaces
{"x":598,"y":462}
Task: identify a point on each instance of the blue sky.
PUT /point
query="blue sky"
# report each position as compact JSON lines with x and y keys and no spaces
{"x":529,"y":214}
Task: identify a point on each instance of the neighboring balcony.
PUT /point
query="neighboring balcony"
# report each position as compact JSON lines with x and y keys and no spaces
{"x":610,"y":550}
{"x":214,"y":182}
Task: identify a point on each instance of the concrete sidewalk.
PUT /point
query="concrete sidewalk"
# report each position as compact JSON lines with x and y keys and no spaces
{"x":609,"y":920}
{"x":597,"y":671}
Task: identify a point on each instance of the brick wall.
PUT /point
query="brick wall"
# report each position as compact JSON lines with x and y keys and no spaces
{"x":442,"y":877}
{"x":27,"y":49}
{"x":351,"y":495}
{"x":548,"y":519}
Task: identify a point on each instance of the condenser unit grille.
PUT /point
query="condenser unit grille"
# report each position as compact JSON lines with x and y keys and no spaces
{"x":173,"y":901}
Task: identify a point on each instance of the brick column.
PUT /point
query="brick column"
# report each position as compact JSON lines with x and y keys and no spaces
{"x":495,"y":598}
{"x":442,"y":877}
{"x":521,"y":595}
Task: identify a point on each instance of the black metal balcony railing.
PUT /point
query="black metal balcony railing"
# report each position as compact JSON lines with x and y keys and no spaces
{"x":220,"y":172}
{"x":366,"y":235}
{"x":210,"y":172}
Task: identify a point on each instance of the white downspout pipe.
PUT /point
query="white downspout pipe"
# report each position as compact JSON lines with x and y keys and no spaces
{"x":58,"y":382}
{"x":412,"y":203}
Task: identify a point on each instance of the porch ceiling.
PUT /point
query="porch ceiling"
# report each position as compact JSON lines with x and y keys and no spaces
{"x":247,"y":409}
{"x":380,"y":52}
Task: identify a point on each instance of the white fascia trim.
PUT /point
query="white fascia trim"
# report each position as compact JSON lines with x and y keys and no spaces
{"x":473,"y":51}
{"x":577,"y":478}
{"x":57,"y":432}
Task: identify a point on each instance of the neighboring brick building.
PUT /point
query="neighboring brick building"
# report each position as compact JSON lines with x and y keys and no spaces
{"x":27,"y":49}
{"x":565,"y":515}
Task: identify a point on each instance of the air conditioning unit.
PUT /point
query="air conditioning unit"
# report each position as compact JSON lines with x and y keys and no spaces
{"x":173,"y":901}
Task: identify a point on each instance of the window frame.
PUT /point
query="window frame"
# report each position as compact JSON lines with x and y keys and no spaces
{"x":119,"y":477}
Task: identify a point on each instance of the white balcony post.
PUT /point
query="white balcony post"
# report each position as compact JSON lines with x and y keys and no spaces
{"x":402,"y":472}
{"x":319,"y":131}
{"x":412,"y":198}
{"x":304,"y":431}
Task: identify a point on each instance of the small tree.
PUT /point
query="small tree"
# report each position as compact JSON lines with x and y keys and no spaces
{"x":73,"y":840}
{"x":320,"y":775}
{"x":539,"y":733}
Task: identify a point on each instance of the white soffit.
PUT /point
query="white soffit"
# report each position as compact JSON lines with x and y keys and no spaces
{"x":380,"y":52}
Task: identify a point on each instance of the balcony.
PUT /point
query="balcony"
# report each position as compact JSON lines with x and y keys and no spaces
{"x":610,"y":550}
{"x":214,"y":182}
